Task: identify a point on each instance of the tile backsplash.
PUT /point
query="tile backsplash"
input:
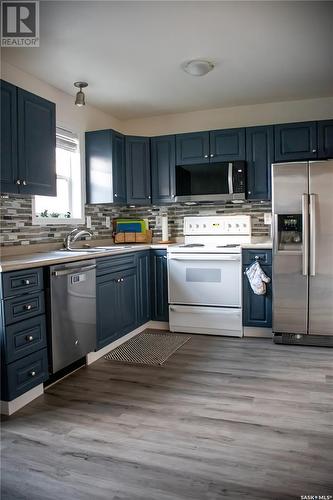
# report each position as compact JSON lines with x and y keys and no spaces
{"x":17,"y":227}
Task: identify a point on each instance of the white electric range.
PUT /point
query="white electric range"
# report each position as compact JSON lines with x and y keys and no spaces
{"x":205,"y":280}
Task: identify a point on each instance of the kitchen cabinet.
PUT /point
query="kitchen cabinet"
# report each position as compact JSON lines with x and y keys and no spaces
{"x":325,"y":139}
{"x":295,"y":141}
{"x":138,"y":177}
{"x":105,"y":167}
{"x":163,"y":168}
{"x":9,"y":172}
{"x":257,"y":309}
{"x":259,"y":157}
{"x":28,"y":142}
{"x":24,"y":360}
{"x":116,"y":301}
{"x":143,"y":293}
{"x":227,"y":145}
{"x":192,"y":148}
{"x":159,"y":285}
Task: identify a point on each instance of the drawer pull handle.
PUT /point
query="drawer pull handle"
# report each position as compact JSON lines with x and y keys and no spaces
{"x":29,"y":338}
{"x":121,"y":279}
{"x":257,"y":257}
{"x":28,"y":307}
{"x":26,"y":282}
{"x":32,"y":374}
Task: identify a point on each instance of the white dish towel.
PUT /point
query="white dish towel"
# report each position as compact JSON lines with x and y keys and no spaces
{"x":257,"y":278}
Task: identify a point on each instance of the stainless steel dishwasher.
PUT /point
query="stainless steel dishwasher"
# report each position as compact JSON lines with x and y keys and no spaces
{"x":73,"y":311}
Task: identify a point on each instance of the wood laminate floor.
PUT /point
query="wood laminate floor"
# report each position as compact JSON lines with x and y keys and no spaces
{"x":223,"y":419}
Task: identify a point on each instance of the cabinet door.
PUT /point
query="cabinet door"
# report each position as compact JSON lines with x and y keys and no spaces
{"x":99,"y":166}
{"x":192,"y":148}
{"x":295,"y":141}
{"x":119,"y":167}
{"x":259,"y":157}
{"x":163,"y":168}
{"x":138,"y":170}
{"x":108,"y":312}
{"x":143,"y":294}
{"x":227,"y":145}
{"x":9,"y":173}
{"x":159,"y":286}
{"x":257,"y":309}
{"x":325,"y":139}
{"x":36,"y":144}
{"x":127,"y":292}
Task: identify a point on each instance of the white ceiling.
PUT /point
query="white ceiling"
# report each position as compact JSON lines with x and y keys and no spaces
{"x":131,"y":53}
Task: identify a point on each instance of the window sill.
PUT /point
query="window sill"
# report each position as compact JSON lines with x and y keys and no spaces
{"x":53,"y":221}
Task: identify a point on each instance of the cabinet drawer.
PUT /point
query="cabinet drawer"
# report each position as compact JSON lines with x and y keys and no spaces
{"x":115,"y":263}
{"x":264,"y":257}
{"x":26,"y":373}
{"x":24,"y":307}
{"x":18,"y":282}
{"x":24,"y":338}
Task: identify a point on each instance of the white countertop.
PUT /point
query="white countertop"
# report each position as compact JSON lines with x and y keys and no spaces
{"x":51,"y":257}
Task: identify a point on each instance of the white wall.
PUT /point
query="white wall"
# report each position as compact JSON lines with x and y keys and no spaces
{"x":78,"y":119}
{"x":240,"y":116}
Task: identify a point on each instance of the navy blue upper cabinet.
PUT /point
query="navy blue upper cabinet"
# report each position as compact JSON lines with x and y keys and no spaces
{"x":36,"y":144}
{"x":28,"y":142}
{"x":192,"y":148}
{"x":227,"y":145}
{"x":105,"y":167}
{"x":9,"y":172}
{"x":163,"y":164}
{"x":259,"y":157}
{"x":138,"y":170}
{"x":325,"y":139}
{"x":295,"y":141}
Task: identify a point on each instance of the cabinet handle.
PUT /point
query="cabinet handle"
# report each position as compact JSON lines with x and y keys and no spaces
{"x":26,"y":282}
{"x":32,"y":374}
{"x":148,"y":197}
{"x":249,"y":192}
{"x":211,"y":155}
{"x":18,"y":182}
{"x":314,"y":151}
{"x":256,"y":257}
{"x":115,"y":195}
{"x":29,"y":338}
{"x":121,"y":279}
{"x":24,"y":183}
{"x":27,"y":307}
{"x":206,"y":156}
{"x":165,"y":257}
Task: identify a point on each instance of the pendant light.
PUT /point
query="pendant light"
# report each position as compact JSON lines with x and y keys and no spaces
{"x":80,"y":99}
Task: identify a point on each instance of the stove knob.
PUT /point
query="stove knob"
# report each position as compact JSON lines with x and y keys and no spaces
{"x":204,"y":225}
{"x":197,"y":225}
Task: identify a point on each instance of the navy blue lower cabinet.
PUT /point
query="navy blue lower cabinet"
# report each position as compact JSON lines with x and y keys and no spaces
{"x":159,"y":285}
{"x":116,"y":302}
{"x":257,"y":309}
{"x":143,"y":294}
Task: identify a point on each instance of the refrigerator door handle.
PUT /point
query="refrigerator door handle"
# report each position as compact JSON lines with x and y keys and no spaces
{"x":312,"y":234}
{"x":305,"y":234}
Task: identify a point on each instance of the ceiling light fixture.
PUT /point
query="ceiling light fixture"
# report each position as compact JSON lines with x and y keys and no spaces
{"x":80,"y":99}
{"x":198,"y":67}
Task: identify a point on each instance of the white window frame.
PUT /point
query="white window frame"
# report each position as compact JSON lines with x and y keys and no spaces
{"x":55,"y":221}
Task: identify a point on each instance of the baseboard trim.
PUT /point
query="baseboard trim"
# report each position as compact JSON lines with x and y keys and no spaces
{"x":158,"y":325}
{"x":251,"y":331}
{"x":10,"y":407}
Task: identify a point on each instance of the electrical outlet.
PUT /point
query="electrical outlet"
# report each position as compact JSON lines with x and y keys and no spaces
{"x":158,"y":220}
{"x":107,"y":222}
{"x":267,"y":218}
{"x":88,"y":221}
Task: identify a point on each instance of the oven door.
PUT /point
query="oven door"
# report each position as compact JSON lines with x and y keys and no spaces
{"x":205,"y":279}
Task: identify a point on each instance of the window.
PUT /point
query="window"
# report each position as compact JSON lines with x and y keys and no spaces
{"x":67,"y":206}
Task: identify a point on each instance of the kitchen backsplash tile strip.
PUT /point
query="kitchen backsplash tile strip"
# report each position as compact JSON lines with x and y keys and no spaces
{"x":17,"y":228}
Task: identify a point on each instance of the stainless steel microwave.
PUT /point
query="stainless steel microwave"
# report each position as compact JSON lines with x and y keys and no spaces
{"x":225,"y":181}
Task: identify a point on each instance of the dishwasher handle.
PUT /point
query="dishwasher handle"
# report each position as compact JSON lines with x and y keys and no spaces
{"x":75,"y":270}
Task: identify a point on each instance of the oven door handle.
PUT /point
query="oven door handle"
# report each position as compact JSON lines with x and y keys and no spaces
{"x":205,"y":257}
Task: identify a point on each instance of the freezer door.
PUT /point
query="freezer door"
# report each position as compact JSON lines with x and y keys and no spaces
{"x":290,"y":279}
{"x":321,"y":248}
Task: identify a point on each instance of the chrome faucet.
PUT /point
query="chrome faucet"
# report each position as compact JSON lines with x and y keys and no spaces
{"x":74,"y":236}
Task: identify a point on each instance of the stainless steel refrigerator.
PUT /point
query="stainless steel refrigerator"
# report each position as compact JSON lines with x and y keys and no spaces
{"x":303,"y":252}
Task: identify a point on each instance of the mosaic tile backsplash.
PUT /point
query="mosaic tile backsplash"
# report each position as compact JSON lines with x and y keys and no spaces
{"x":17,"y":227}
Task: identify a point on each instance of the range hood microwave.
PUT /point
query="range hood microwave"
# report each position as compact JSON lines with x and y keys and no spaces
{"x":223,"y":181}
